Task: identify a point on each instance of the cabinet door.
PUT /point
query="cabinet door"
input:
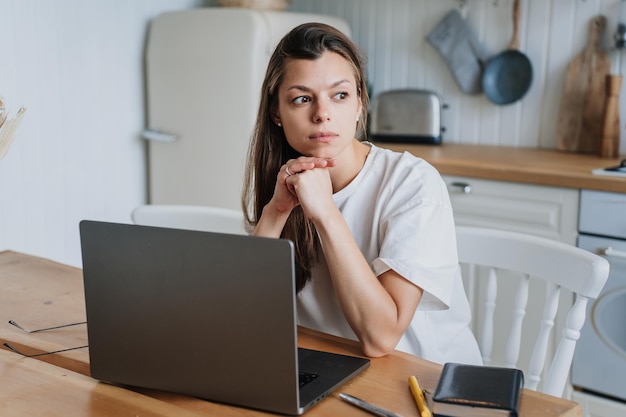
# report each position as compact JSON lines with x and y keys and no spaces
{"x":596,"y":406}
{"x":550,"y":212}
{"x":540,"y":210}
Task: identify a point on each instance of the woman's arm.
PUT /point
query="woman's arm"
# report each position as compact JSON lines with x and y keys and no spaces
{"x":272,"y":221}
{"x":379,"y":309}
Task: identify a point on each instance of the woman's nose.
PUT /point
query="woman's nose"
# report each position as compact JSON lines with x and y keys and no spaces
{"x":322,"y":113}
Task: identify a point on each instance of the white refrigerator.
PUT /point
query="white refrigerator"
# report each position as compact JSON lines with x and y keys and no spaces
{"x":204,"y":70}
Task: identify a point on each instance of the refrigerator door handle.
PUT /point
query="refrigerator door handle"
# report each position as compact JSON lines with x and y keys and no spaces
{"x":157,"y":135}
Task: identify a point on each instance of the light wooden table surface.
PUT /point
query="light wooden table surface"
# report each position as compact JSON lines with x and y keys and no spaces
{"x":39,"y":293}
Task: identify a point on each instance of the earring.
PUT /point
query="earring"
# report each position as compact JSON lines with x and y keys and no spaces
{"x":279,"y":124}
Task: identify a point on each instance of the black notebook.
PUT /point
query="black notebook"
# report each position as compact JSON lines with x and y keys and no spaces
{"x":477,"y":391}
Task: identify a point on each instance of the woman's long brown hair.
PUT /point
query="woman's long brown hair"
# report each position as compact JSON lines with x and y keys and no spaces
{"x":269,"y":149}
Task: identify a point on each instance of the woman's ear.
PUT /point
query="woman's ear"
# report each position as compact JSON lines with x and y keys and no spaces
{"x":359,"y":110}
{"x":276,"y":119}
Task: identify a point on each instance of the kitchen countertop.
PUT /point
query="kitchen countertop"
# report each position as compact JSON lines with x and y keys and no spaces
{"x":524,"y":165}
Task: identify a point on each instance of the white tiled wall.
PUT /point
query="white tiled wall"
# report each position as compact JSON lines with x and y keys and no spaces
{"x":77,"y":67}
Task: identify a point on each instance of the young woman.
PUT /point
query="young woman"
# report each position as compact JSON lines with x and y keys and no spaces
{"x":372,"y":229}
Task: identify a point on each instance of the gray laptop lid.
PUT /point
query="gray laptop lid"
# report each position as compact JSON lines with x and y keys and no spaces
{"x":206,"y":314}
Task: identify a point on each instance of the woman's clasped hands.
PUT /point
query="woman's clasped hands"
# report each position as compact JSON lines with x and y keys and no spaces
{"x":305,"y":181}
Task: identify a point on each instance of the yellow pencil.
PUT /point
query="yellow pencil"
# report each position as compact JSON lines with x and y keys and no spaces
{"x":418,"y":394}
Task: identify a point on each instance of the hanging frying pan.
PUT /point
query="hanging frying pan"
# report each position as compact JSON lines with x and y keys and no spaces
{"x":507,"y":76}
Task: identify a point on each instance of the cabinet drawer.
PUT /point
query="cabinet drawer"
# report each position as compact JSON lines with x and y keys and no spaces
{"x":595,"y":406}
{"x":540,"y":210}
{"x":603,"y":213}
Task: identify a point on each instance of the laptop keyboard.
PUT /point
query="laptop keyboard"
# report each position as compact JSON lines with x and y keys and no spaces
{"x":306,"y":377}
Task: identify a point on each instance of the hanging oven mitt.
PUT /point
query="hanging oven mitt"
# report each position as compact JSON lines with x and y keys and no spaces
{"x":465,"y":56}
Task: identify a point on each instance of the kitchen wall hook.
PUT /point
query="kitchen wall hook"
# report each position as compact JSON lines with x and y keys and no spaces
{"x":463,"y":8}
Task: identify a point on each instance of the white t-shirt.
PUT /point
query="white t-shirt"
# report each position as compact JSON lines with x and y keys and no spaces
{"x":399,"y":212}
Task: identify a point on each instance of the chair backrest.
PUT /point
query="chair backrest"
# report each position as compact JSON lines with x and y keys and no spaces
{"x":203,"y":218}
{"x":500,"y":253}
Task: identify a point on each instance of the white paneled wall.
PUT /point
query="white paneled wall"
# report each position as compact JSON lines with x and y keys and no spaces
{"x":77,"y":65}
{"x":393,"y":34}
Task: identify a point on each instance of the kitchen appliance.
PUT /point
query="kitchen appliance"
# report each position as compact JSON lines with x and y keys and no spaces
{"x":406,"y":116}
{"x":204,"y":70}
{"x":599,"y":362}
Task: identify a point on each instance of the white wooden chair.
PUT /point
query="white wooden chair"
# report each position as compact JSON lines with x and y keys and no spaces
{"x":203,"y":218}
{"x":534,"y":258}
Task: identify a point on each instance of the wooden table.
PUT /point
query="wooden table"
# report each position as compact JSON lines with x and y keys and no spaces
{"x":39,"y":293}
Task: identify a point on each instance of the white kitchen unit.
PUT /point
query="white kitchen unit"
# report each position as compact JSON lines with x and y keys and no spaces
{"x":204,"y":70}
{"x":550,"y":212}
{"x":596,"y":406}
{"x":600,"y":359}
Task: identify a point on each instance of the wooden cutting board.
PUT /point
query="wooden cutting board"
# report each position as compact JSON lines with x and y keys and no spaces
{"x":581,"y":113}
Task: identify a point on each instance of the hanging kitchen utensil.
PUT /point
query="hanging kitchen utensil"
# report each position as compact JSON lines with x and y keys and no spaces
{"x":581,"y":113}
{"x":508,"y":75}
{"x":464,"y":55}
{"x":608,"y":146}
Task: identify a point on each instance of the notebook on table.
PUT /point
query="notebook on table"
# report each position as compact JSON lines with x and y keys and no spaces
{"x":477,"y":391}
{"x":205,"y":314}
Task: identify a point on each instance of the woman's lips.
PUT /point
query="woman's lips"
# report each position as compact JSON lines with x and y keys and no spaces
{"x":323,"y":136}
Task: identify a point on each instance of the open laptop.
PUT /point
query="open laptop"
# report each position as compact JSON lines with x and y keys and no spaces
{"x":205,"y":314}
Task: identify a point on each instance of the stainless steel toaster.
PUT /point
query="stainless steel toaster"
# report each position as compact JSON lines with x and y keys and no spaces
{"x":406,"y":116}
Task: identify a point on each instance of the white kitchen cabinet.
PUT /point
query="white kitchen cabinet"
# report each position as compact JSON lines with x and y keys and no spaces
{"x":550,"y":212}
{"x":596,"y":406}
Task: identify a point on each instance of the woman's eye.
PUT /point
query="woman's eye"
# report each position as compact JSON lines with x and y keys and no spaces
{"x":341,"y":95}
{"x":301,"y":100}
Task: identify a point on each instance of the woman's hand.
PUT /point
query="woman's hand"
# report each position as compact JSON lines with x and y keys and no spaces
{"x":311,"y":184}
{"x":303,"y":177}
{"x":286,"y":195}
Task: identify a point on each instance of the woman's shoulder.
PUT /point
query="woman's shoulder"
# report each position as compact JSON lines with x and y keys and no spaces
{"x":401,"y":160}
{"x":404,"y":171}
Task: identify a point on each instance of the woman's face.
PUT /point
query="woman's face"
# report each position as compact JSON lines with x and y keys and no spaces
{"x":318,"y":105}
